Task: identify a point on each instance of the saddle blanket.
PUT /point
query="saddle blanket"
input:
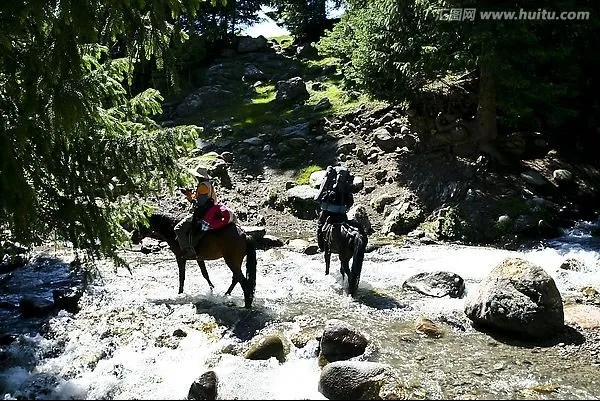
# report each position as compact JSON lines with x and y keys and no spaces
{"x":218,"y":216}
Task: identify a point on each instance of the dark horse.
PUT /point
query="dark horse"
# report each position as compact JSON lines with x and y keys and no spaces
{"x":230,"y":243}
{"x":349,"y":241}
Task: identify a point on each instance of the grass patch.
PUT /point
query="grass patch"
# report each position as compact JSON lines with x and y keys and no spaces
{"x":265,"y":94}
{"x":248,"y":112}
{"x":342,"y":101}
{"x":258,"y":110}
{"x":283,"y":40}
{"x":322,"y":62}
{"x":303,"y":176}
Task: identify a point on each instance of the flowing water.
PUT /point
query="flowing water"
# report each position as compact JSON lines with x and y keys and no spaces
{"x":121,"y":345}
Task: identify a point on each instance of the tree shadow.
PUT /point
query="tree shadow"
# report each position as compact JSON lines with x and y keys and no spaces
{"x":569,"y":336}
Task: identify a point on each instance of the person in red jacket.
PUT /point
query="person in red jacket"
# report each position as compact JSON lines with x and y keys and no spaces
{"x":202,"y":199}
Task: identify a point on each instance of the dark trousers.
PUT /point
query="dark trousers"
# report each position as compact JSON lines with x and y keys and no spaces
{"x":184,"y":229}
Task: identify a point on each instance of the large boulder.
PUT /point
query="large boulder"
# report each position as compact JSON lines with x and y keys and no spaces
{"x":292,"y":90}
{"x":316,"y":178}
{"x":301,"y":203}
{"x":270,"y":346}
{"x":252,"y":73}
{"x":385,"y":139}
{"x":203,"y":98}
{"x":519,"y":298}
{"x":403,"y":218}
{"x":358,"y":213}
{"x":248,"y":44}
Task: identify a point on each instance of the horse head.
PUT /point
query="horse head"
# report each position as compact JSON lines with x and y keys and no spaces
{"x":159,"y":226}
{"x":138,"y":233}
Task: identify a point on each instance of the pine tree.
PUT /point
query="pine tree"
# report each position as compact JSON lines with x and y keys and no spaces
{"x":78,"y":153}
{"x":529,"y":72}
{"x":305,"y":19}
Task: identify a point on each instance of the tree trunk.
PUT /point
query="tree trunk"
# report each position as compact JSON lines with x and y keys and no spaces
{"x":486,"y":105}
{"x":486,"y":115}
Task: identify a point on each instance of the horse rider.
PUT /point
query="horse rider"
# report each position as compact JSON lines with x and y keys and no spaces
{"x":202,"y":199}
{"x":335,"y":196}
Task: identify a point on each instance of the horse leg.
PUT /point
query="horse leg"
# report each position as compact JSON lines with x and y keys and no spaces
{"x":238,"y":277}
{"x":233,"y":283}
{"x":357,"y":260}
{"x":327,"y":259}
{"x":204,"y":272}
{"x":235,"y":265}
{"x":344,"y":266}
{"x":181,"y":265}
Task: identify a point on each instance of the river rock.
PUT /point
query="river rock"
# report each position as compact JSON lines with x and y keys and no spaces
{"x":357,"y":380}
{"x":562,"y":176}
{"x":534,"y":178}
{"x":341,"y":341}
{"x":34,"y":306}
{"x":67,"y":298}
{"x":205,"y":387}
{"x":586,"y":316}
{"x":572,"y":264}
{"x":429,"y":328}
{"x":519,"y":298}
{"x":436,"y":284}
{"x":267,"y":347}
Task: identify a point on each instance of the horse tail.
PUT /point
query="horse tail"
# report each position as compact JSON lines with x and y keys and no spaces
{"x":250,"y":271}
{"x":360,"y":245}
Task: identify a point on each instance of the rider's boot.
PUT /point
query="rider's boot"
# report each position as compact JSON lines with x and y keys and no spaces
{"x":190,"y":252}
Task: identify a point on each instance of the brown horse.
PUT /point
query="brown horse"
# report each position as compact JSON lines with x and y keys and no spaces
{"x":349,"y":241}
{"x":230,"y":243}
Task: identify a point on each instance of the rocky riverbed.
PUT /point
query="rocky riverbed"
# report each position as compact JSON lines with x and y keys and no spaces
{"x":135,"y":338}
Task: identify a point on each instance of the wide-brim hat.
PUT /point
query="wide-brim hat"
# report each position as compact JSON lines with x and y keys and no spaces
{"x":200,"y":172}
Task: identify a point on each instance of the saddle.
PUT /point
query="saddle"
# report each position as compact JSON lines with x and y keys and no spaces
{"x":215,"y":217}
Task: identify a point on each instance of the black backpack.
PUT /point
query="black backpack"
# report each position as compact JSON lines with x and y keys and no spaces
{"x":336,"y":187}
